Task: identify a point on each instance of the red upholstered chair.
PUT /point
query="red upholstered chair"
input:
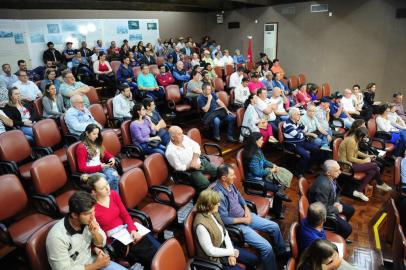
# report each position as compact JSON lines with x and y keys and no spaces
{"x":157,"y":173}
{"x":170,"y":256}
{"x":218,"y":84}
{"x":304,"y":186}
{"x":399,"y":248}
{"x":244,"y":130}
{"x":69,"y":137}
{"x":154,"y":69}
{"x":397,"y":181}
{"x":73,"y":165}
{"x":250,"y":66}
{"x":133,"y":149}
{"x":293,"y":82}
{"x":17,"y":228}
{"x":36,"y":248}
{"x":174,"y":99}
{"x":325,"y":89}
{"x":215,"y":158}
{"x":229,"y":69}
{"x":97,"y":112}
{"x":392,"y":220}
{"x":49,"y":178}
{"x":160,"y":60}
{"x":301,"y":79}
{"x":114,"y":122}
{"x":219,"y":72}
{"x":136,"y":70}
{"x":93,"y":96}
{"x":376,"y":137}
{"x":319,"y":93}
{"x":133,"y":191}
{"x":115,"y":65}
{"x":303,"y":207}
{"x":38,"y":108}
{"x":224,"y":97}
{"x":48,"y":136}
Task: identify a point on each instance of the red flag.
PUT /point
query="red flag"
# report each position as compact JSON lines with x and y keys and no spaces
{"x":249,"y":53}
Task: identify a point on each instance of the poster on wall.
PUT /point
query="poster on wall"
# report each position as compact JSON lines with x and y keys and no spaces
{"x":135,"y":37}
{"x":6,"y":34}
{"x":18,"y":38}
{"x":53,"y":28}
{"x":56,"y":39}
{"x":69,"y":27}
{"x":152,"y":26}
{"x":133,"y":25}
{"x":122,"y":30}
{"x":37,"y":38}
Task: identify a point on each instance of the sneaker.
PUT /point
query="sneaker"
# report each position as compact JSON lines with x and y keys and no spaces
{"x":360,"y":195}
{"x":384,"y":187}
{"x":272,"y":140}
{"x":325,"y":147}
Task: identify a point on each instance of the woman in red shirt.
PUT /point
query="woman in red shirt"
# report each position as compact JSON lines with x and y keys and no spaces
{"x":104,"y":71}
{"x":112,"y":217}
{"x":92,"y":158}
{"x":302,"y":96}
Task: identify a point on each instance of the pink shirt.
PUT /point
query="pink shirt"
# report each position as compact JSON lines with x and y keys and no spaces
{"x":253,"y":87}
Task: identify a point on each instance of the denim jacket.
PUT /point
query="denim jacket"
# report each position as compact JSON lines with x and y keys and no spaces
{"x":257,"y":168}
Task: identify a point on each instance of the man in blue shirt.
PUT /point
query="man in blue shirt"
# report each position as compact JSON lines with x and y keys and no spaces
{"x":337,"y":110}
{"x":214,"y":112}
{"x":69,"y":53}
{"x":147,"y":82}
{"x":311,"y":228}
{"x":125,"y":74}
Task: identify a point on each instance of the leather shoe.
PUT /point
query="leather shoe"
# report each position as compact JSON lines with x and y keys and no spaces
{"x":231,"y":140}
{"x":217,"y":139}
{"x":280,"y":194}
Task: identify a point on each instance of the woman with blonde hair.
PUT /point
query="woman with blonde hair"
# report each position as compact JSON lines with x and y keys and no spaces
{"x":212,"y":240}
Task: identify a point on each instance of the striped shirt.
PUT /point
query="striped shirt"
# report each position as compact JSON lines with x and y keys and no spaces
{"x":292,"y":132}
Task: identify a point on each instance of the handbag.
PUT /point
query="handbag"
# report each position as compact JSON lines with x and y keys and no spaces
{"x":220,"y":113}
{"x":283,"y":176}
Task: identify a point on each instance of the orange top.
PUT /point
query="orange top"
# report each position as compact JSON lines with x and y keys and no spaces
{"x":277,"y":69}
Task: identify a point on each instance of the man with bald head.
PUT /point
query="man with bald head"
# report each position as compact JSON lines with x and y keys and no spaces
{"x":279,"y":99}
{"x":349,"y":103}
{"x":184,"y":155}
{"x":78,"y":117}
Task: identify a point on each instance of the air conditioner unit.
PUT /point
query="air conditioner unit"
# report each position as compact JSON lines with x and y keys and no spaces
{"x":319,"y":8}
{"x":271,"y":39}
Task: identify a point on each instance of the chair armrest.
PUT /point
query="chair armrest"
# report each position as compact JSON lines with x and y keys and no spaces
{"x":157,"y":190}
{"x":133,"y":150}
{"x":77,"y":182}
{"x":337,"y":123}
{"x":200,"y":263}
{"x":46,"y":204}
{"x":38,"y":152}
{"x":5,"y":236}
{"x":346,"y":168}
{"x":290,"y":147}
{"x":71,"y":139}
{"x":236,"y":234}
{"x":254,"y":188}
{"x":7,"y":167}
{"x":117,"y":165}
{"x":181,"y":177}
{"x":213,"y":145}
{"x":383,"y":135}
{"x":380,"y":141}
{"x":245,"y":131}
{"x":142,"y":216}
{"x":251,"y":205}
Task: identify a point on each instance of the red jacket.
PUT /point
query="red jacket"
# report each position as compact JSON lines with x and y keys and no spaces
{"x":82,"y":157}
{"x":165,"y":80}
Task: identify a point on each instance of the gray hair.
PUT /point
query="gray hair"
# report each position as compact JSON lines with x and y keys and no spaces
{"x":328,"y":165}
{"x":74,"y":98}
{"x":316,"y":214}
{"x":292,"y":111}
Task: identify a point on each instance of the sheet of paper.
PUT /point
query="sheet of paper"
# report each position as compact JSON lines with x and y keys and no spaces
{"x":340,"y":247}
{"x":381,"y":153}
{"x":123,"y":236}
{"x":142,"y":230}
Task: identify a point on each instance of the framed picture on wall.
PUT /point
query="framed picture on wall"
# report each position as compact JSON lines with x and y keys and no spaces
{"x":133,"y":25}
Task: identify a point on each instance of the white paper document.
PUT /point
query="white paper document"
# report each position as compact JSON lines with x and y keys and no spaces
{"x":340,"y":247}
{"x":125,"y":237}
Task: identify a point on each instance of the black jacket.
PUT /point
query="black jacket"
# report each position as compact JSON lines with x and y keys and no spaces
{"x":151,"y":61}
{"x":48,"y":56}
{"x":322,"y":191}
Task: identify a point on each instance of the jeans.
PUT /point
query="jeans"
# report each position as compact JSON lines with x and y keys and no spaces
{"x":372,"y":172}
{"x":111,"y":176}
{"x":149,"y":150}
{"x":275,"y":126}
{"x":303,"y":149}
{"x":342,"y":227}
{"x":114,"y":266}
{"x":156,"y":94}
{"x":230,"y":119}
{"x":347,"y":122}
{"x":164,"y":135}
{"x":321,"y":140}
{"x":261,"y":244}
{"x":28,"y":133}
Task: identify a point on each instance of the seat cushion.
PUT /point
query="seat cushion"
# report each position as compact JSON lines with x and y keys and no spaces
{"x":61,"y":153}
{"x":359,"y":175}
{"x":261,"y":203}
{"x":161,"y":215}
{"x":182,"y":194}
{"x":25,"y":170}
{"x":130,"y":163}
{"x":22,"y":230}
{"x":62,"y":201}
{"x":183,"y":108}
{"x":216,"y":160}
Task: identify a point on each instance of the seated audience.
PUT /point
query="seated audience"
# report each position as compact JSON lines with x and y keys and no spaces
{"x":236,"y":78}
{"x":7,"y":77}
{"x":348,"y":153}
{"x":123,"y":103}
{"x":294,"y":133}
{"x":184,"y":155}
{"x":267,"y":110}
{"x":28,"y":89}
{"x":214,"y":112}
{"x":396,"y":136}
{"x":156,"y":121}
{"x":143,"y":134}
{"x":207,"y":79}
{"x":3,"y":94}
{"x":276,"y":82}
{"x":180,"y":75}
{"x":147,"y":84}
{"x":195,"y":60}
{"x":103,"y":71}
{"x":337,"y":110}
{"x":238,"y":58}
{"x":326,"y":190}
{"x":280,"y":100}
{"x":68,"y":53}
{"x":241,"y":93}
{"x":369,"y":101}
{"x":22,"y":66}
{"x":276,"y":67}
{"x":95,"y":55}
{"x":99,"y":46}
{"x":113,"y":217}
{"x":323,"y":114}
{"x":113,"y":53}
{"x":254,"y":123}
{"x":133,"y":61}
{"x":315,"y":132}
{"x":159,"y":47}
{"x":255,"y":83}
{"x":311,"y":228}
{"x":50,"y":77}
{"x":52,"y":54}
{"x":71,"y":87}
{"x":267,"y":81}
{"x":194,"y":86}
{"x":206,"y":58}
{"x":69,"y":242}
{"x":5,"y":121}
{"x":263,"y":59}
{"x":348,"y":102}
{"x":85,"y":51}
{"x":216,"y":49}
{"x":258,"y":168}
{"x":125,"y":74}
{"x":394,"y":118}
{"x":227,"y":59}
{"x":81,"y":65}
{"x":358,"y":97}
{"x":148,"y":58}
{"x":78,"y":117}
{"x":214,"y":243}
{"x":234,"y":210}
{"x":397,"y":100}
{"x":302,"y":96}
{"x":93,"y":159}
{"x":164,"y":78}
{"x":52,"y":102}
{"x":20,"y":116}
{"x":40,"y":70}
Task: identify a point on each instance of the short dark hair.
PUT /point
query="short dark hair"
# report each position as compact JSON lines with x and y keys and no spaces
{"x":275,"y":60}
{"x":123,"y":86}
{"x":205,"y":85}
{"x":50,"y":43}
{"x":125,"y":56}
{"x":397,"y":94}
{"x":147,"y":102}
{"x":2,"y":66}
{"x":194,"y":72}
{"x":356,"y":85}
{"x":241,"y":69}
{"x":260,"y":90}
{"x":20,"y":61}
{"x":80,"y":202}
{"x":223,"y":170}
{"x":245,"y":80}
{"x":316,"y":215}
{"x":137,"y":107}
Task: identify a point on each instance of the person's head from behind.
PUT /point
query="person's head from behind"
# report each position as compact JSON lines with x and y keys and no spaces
{"x":138,"y":111}
{"x":50,"y":90}
{"x":356,"y":125}
{"x":22,"y":76}
{"x":316,"y":215}
{"x":81,"y":207}
{"x":371,"y":86}
{"x":225,"y":174}
{"x":125,"y":90}
{"x":206,"y":88}
{"x":398,"y":97}
{"x":208,"y":201}
{"x":320,"y":255}
{"x":22,"y":65}
{"x":252,"y":99}
{"x":149,"y":104}
{"x":176,"y":135}
{"x":331,"y":169}
{"x":14,"y":95}
{"x":77,"y":102}
{"x":68,"y":77}
{"x":98,"y":186}
{"x":294,"y":114}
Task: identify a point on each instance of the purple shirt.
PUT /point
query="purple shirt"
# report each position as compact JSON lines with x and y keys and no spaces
{"x":236,"y":210}
{"x":140,"y":133}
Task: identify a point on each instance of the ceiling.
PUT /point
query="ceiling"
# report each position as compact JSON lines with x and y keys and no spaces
{"x":157,"y":5}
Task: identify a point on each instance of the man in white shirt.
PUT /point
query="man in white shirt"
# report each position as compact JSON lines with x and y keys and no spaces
{"x":4,"y":121}
{"x":236,"y":78}
{"x":348,"y":103}
{"x":184,"y":155}
{"x":123,"y":103}
{"x":8,"y":77}
{"x":266,"y":110}
{"x":218,"y":60}
{"x":29,"y":90}
{"x":227,"y":59}
{"x":279,"y":99}
{"x":241,"y":93}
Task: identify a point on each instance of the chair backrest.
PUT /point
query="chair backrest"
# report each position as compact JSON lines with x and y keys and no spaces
{"x":319,"y":93}
{"x":109,"y":106}
{"x":325,"y":88}
{"x":71,"y":156}
{"x":218,"y":71}
{"x":48,"y":174}
{"x":156,"y":169}
{"x":172,"y":92}
{"x":232,"y":96}
{"x":228,"y":81}
{"x":304,"y":186}
{"x":38,"y":108}
{"x":239,"y":116}
{"x":111,"y":142}
{"x":371,"y":125}
{"x":238,"y":177}
{"x":64,"y":127}
{"x":14,"y":146}
{"x":93,"y":96}
{"x":280,"y":132}
{"x":189,"y":234}
{"x":194,"y":134}
{"x":293,"y":82}
{"x":115,"y":65}
{"x":133,"y":187}
{"x":393,"y":219}
{"x":301,"y":78}
{"x":303,"y":207}
{"x":185,"y":89}
{"x":136,"y":70}
{"x":160,"y":60}
{"x":250,"y":66}
{"x":169,"y":256}
{"x":240,"y":162}
{"x":293,"y":235}
{"x":98,"y":113}
{"x":336,"y":146}
{"x":125,"y":132}
{"x":229,"y":69}
{"x":36,"y":248}
{"x":13,"y":198}
{"x":218,"y":84}
{"x":154,"y":69}
{"x":396,"y":172}
{"x":223,"y":96}
{"x":46,"y":133}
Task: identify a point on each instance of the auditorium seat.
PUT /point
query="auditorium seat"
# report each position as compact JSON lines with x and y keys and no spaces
{"x":301,"y":79}
{"x":93,"y":96}
{"x":229,"y":69}
{"x":38,"y":108}
{"x":115,"y":65}
{"x":170,"y":256}
{"x":174,"y":99}
{"x":215,"y":158}
{"x":218,"y":84}
{"x":377,"y":137}
{"x":73,"y":165}
{"x":293,"y":82}
{"x":224,"y":97}
{"x":97,"y":112}
{"x":127,"y":142}
{"x":69,"y":137}
{"x":325,"y":89}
